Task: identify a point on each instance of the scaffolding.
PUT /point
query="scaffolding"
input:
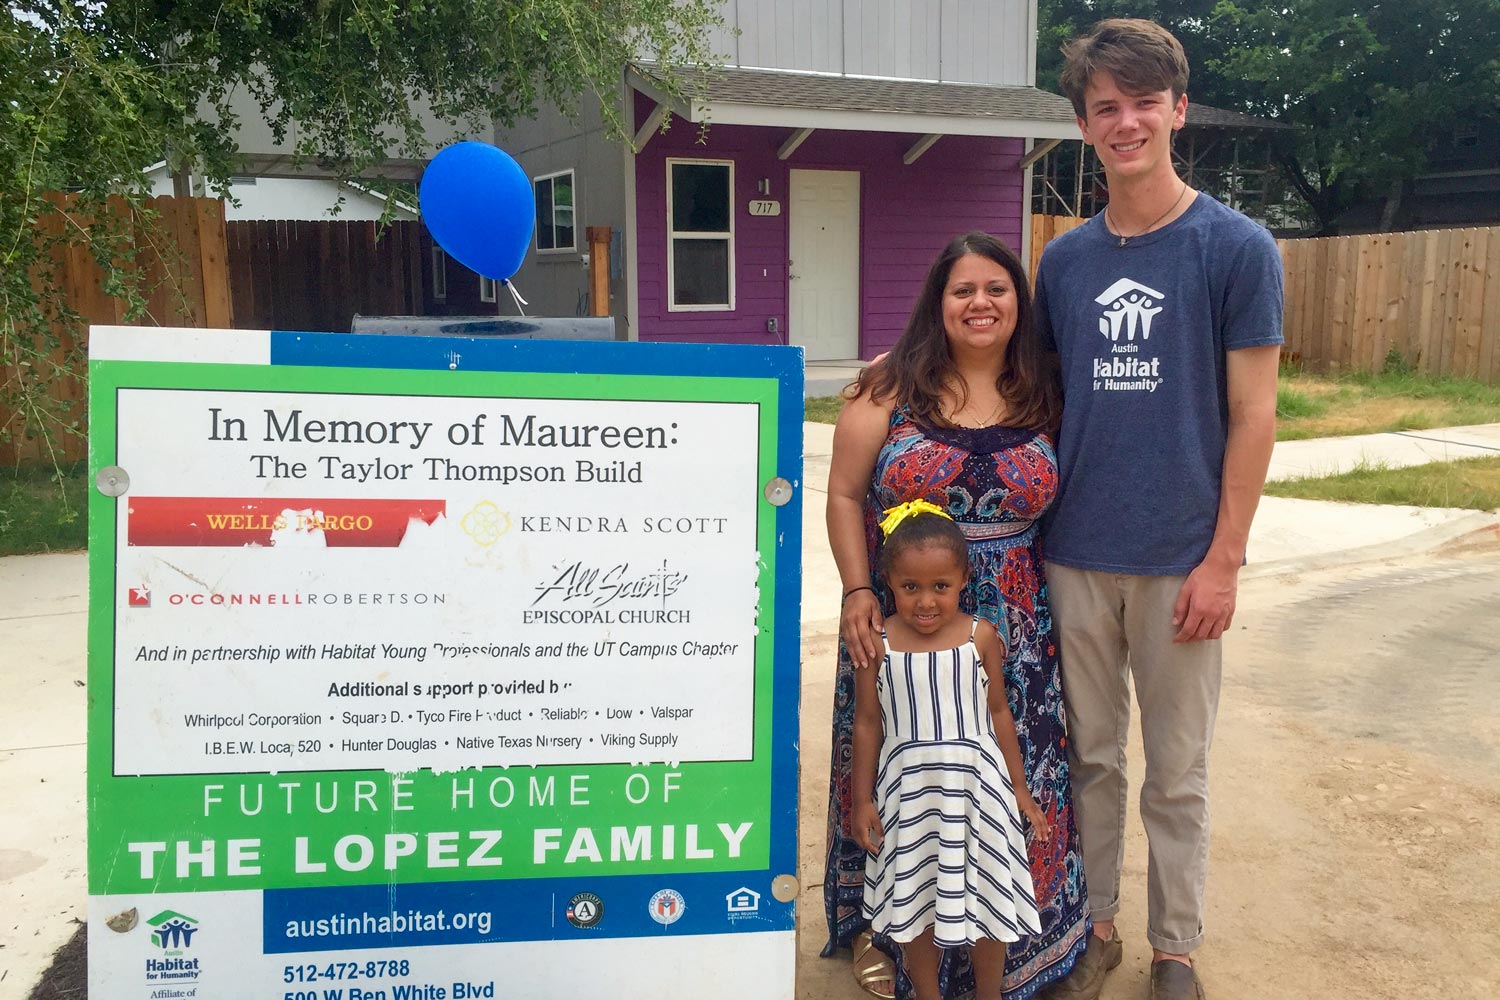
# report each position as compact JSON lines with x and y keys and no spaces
{"x":1223,"y":153}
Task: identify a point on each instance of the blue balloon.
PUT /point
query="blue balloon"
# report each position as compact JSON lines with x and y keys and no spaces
{"x":478,"y":205}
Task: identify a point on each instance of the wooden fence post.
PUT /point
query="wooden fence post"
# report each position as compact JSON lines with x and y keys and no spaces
{"x":598,"y":237}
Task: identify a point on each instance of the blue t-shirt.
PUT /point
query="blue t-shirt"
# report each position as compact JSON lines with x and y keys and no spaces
{"x":1141,"y":332}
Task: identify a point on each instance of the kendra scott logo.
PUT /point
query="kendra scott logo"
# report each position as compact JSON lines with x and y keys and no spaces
{"x":485,"y":523}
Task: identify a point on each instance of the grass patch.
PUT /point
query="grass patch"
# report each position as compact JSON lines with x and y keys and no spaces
{"x":1294,"y":404}
{"x":42,"y":510}
{"x":823,"y":409}
{"x":1313,"y":406}
{"x":1472,"y":483}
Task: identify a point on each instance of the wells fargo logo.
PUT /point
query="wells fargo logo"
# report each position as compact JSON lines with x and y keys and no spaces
{"x":302,"y":520}
{"x":236,"y":521}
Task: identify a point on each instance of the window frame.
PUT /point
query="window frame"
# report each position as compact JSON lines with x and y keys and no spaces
{"x":488,"y":287}
{"x":537,"y":232}
{"x":439,"y":274}
{"x":673,"y":236}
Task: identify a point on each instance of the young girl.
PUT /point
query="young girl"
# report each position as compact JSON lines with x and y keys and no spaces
{"x":932,"y":804}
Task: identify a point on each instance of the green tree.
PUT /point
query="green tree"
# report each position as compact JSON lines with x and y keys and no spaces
{"x":1368,"y":86}
{"x":93,"y":93}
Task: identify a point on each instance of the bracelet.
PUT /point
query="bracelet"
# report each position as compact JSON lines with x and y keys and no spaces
{"x":855,"y":590}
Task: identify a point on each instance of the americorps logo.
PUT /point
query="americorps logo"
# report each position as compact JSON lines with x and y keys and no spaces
{"x":173,"y":931}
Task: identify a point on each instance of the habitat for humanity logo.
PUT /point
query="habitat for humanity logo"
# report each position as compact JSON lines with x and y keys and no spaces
{"x":1129,"y":307}
{"x":172,"y":931}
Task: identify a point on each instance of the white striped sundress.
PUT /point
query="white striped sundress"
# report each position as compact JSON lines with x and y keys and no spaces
{"x":954,"y":855}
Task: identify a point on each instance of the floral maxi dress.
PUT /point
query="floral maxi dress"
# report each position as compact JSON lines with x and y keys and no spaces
{"x":995,"y":482}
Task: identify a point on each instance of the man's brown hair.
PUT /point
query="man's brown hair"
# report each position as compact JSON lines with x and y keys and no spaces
{"x":1141,"y":55}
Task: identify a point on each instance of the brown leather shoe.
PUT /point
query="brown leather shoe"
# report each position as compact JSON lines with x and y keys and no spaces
{"x":1171,"y":980}
{"x":1087,"y":977}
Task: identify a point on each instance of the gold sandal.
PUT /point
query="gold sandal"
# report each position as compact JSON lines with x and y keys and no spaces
{"x":869,"y":971}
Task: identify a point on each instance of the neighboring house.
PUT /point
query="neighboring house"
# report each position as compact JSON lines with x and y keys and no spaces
{"x":1461,"y":187}
{"x":803,"y":192}
{"x":264,"y":198}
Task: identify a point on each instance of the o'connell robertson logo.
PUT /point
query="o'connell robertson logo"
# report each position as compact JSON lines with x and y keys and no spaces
{"x":585,"y":910}
{"x":667,"y":906}
{"x":172,"y":931}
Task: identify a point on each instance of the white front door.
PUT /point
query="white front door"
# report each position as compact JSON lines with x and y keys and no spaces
{"x":823,"y":272}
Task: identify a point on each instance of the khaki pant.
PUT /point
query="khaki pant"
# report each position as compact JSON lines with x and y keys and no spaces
{"x":1108,"y":624}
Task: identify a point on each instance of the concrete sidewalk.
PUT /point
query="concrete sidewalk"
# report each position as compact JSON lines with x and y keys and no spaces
{"x":43,"y":605}
{"x":1395,"y":449}
{"x":1288,"y":535}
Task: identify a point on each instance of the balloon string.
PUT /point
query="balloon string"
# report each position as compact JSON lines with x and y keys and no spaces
{"x":520,"y":302}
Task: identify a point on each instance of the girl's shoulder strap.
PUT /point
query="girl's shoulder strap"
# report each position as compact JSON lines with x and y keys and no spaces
{"x":974,"y":629}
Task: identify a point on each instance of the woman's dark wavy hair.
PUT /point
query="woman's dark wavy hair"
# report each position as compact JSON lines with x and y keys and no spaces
{"x":918,"y":368}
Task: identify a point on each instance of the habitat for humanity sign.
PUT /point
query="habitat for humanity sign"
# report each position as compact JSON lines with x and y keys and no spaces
{"x":441,"y":668}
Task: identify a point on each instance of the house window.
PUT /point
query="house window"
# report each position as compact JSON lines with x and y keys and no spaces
{"x":554,"y":211}
{"x":700,"y":235}
{"x":486,"y":289}
{"x":1466,"y":135}
{"x":439,"y":274}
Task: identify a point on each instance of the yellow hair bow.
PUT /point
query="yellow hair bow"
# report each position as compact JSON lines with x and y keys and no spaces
{"x":895,"y":515}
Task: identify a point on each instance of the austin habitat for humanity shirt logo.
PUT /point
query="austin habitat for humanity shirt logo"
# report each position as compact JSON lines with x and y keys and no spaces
{"x":1129,"y":308}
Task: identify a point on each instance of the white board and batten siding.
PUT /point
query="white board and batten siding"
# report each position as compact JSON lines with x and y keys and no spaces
{"x":951,"y":41}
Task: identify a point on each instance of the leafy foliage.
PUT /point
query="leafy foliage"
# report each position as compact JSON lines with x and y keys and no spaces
{"x":1369,"y":85}
{"x":91,"y":94}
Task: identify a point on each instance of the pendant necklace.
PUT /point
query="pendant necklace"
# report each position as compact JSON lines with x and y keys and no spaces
{"x":1126,"y":239}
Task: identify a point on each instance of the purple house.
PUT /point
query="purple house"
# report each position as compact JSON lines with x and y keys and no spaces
{"x":800,"y":196}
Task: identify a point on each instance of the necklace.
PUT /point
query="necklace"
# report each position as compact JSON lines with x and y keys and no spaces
{"x":988,"y":420}
{"x":1126,"y":239}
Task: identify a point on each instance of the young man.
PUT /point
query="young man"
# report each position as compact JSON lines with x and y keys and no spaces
{"x":1165,"y":311}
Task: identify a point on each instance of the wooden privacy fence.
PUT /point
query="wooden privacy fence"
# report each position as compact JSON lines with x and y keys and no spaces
{"x":1432,"y":297}
{"x":305,"y":275}
{"x":180,"y":272}
{"x":1045,"y":229}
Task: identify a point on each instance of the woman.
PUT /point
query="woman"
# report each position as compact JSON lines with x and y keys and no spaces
{"x":959,"y":414}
